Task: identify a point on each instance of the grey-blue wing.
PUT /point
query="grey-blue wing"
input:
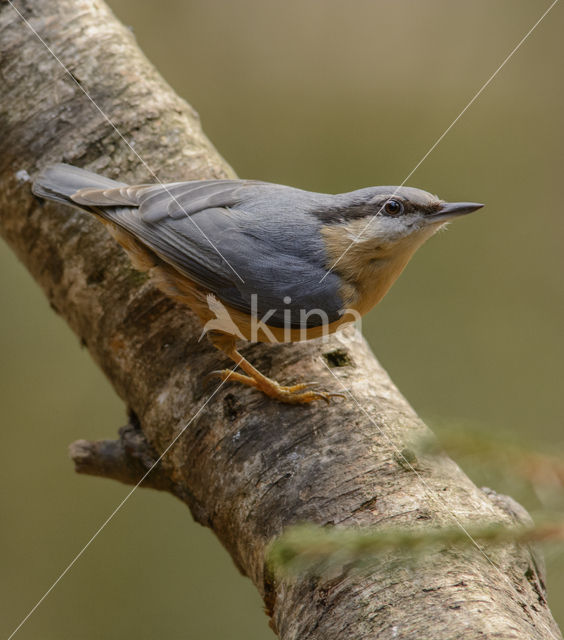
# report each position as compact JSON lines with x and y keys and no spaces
{"x":255,"y":245}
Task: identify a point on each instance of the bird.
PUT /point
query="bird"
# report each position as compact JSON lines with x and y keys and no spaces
{"x":258,"y":261}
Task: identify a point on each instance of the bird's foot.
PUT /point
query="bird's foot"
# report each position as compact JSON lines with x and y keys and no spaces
{"x":301,"y":393}
{"x":230,"y":375}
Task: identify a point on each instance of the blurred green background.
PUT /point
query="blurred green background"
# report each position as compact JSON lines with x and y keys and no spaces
{"x":328,"y":96}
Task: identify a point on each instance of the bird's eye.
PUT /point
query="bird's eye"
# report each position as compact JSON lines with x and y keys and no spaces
{"x":393,"y":208}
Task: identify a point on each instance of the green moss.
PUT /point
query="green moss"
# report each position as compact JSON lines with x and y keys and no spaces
{"x":136,"y":278}
{"x":406,"y":459}
{"x":338,"y":358}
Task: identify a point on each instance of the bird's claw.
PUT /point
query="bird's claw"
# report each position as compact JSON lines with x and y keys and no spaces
{"x":301,"y":393}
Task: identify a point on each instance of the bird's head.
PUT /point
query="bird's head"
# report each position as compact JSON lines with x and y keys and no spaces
{"x":380,"y":229}
{"x":396,"y":214}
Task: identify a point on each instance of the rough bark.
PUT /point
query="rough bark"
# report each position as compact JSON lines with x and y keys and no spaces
{"x":247,"y":467}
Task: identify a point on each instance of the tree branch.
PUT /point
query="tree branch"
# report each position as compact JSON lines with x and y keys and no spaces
{"x":246,"y":466}
{"x":130,"y":460}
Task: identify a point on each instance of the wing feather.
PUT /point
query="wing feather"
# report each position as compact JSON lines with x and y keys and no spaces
{"x":253,"y":244}
{"x":186,"y":198}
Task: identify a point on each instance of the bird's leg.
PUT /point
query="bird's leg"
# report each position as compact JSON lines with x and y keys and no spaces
{"x":295,"y":394}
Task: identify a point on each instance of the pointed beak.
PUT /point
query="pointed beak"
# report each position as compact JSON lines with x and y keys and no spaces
{"x":450,"y":210}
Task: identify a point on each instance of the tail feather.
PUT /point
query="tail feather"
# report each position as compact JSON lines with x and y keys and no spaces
{"x":59,"y":181}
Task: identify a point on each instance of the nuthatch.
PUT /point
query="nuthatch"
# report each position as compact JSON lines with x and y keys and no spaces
{"x":259,"y":261}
